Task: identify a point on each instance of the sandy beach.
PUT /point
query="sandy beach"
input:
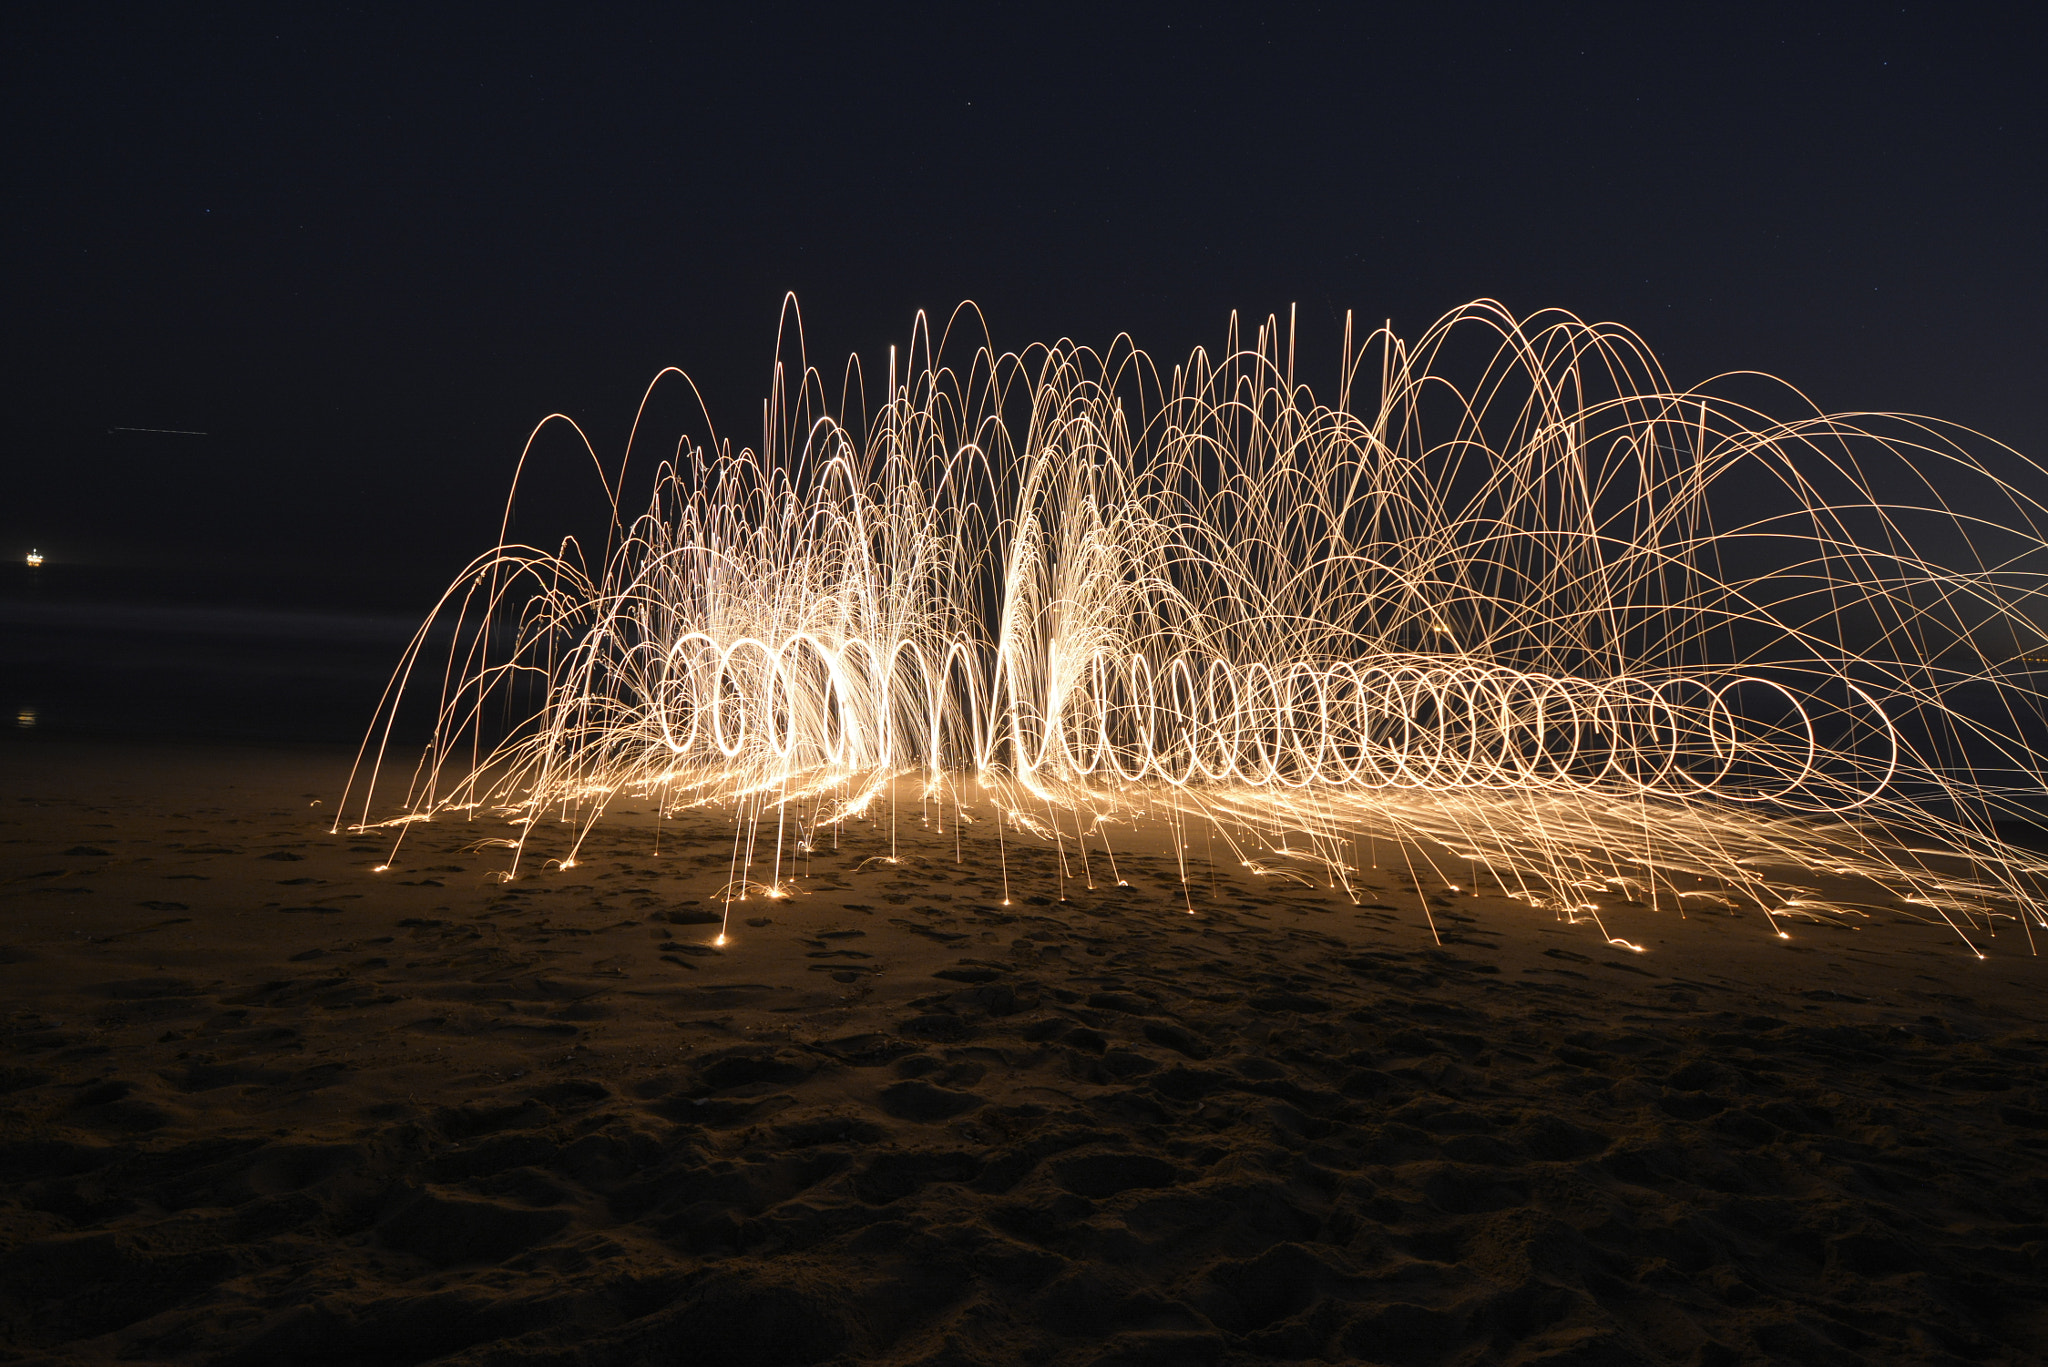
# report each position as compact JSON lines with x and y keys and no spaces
{"x":260,"y":1104}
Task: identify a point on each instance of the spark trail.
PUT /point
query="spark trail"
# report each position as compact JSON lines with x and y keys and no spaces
{"x":1510,"y":601}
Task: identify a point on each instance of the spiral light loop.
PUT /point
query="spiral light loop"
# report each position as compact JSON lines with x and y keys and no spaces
{"x":1526,"y":606}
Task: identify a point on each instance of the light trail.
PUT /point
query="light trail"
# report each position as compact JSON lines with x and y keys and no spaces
{"x":1512,"y":602}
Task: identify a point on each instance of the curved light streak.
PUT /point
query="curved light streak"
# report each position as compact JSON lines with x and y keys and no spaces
{"x":1511,"y":600}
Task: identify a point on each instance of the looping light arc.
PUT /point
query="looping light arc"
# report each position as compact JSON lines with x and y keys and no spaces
{"x":1509,"y":600}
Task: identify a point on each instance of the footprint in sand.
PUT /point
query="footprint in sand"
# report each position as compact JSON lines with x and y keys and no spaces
{"x":916,"y":1099}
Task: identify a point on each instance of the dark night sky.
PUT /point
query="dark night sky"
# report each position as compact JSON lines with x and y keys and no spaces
{"x":366,"y":249}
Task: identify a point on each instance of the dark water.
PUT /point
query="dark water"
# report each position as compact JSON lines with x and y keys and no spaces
{"x":172,"y":655}
{"x":275,"y":656}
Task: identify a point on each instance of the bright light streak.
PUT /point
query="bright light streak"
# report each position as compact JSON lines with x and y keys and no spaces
{"x":1510,"y":596}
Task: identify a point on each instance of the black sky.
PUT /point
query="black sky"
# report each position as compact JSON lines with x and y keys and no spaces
{"x":365,"y":249}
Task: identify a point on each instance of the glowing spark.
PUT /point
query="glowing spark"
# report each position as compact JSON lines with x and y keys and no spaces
{"x":1691,"y":638}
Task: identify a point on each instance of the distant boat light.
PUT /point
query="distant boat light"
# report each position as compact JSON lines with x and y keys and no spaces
{"x":35,"y":559}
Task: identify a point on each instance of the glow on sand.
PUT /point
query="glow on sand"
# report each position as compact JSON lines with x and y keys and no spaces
{"x":1508,"y":609}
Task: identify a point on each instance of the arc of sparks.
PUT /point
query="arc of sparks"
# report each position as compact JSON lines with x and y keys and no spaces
{"x":1527,"y":609}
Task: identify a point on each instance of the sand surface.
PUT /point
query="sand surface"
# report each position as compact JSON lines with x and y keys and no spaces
{"x":260,"y":1104}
